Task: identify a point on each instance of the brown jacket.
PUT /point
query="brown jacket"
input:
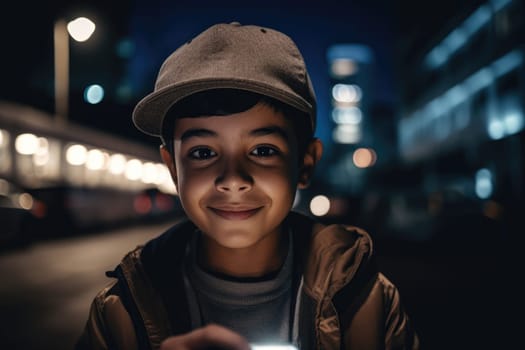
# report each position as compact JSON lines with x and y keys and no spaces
{"x":342,"y":302}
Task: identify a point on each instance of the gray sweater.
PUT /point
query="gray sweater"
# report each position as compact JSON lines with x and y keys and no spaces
{"x":259,"y":310}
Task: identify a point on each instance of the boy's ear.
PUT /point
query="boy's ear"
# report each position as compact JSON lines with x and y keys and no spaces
{"x":313,"y":154}
{"x":168,"y":159}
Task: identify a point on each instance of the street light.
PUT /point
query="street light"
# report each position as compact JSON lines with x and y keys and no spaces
{"x":80,"y":29}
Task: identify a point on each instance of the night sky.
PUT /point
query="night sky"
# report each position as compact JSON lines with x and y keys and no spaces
{"x":155,"y":28}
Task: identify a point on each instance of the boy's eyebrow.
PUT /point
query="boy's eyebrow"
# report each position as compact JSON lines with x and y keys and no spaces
{"x":196,"y":132}
{"x":268,"y":130}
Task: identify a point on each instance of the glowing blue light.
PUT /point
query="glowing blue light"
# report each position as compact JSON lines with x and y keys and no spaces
{"x":457,"y":94}
{"x":346,"y":93}
{"x":437,"y":57}
{"x":484,"y":185}
{"x":499,"y":4}
{"x":125,"y":48}
{"x":347,"y":115}
{"x":477,"y":20}
{"x":455,"y":40}
{"x":479,"y":80}
{"x":357,"y":52}
{"x":513,"y":122}
{"x":93,"y":94}
{"x":507,"y":63}
{"x":496,"y":129}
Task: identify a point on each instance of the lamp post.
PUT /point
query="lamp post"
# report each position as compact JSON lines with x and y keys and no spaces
{"x":80,"y":29}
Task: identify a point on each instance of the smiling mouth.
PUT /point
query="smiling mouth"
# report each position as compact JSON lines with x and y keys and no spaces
{"x":235,"y":214}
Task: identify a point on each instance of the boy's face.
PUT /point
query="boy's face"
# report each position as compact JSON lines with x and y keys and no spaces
{"x":236,"y":175}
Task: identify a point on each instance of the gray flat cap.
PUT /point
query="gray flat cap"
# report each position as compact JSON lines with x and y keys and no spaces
{"x":234,"y":56}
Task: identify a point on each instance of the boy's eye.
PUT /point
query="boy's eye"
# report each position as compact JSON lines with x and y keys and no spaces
{"x":202,"y":153}
{"x":264,"y":151}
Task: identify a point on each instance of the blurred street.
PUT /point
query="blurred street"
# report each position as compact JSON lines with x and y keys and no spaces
{"x":456,"y":300}
{"x":46,"y":289}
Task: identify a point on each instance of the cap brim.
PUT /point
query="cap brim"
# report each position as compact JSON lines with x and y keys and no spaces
{"x":149,"y":112}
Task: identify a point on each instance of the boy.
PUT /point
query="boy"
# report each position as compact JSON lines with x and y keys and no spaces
{"x":236,"y":111}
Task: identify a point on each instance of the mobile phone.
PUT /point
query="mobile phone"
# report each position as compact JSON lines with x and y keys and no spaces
{"x":273,"y":347}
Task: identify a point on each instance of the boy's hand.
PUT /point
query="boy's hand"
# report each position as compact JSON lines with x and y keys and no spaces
{"x":208,"y":337}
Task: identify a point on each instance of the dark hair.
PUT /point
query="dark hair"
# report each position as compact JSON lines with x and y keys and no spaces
{"x":230,"y":101}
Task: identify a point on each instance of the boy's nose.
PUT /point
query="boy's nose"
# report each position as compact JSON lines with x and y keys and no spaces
{"x":234,"y":179}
